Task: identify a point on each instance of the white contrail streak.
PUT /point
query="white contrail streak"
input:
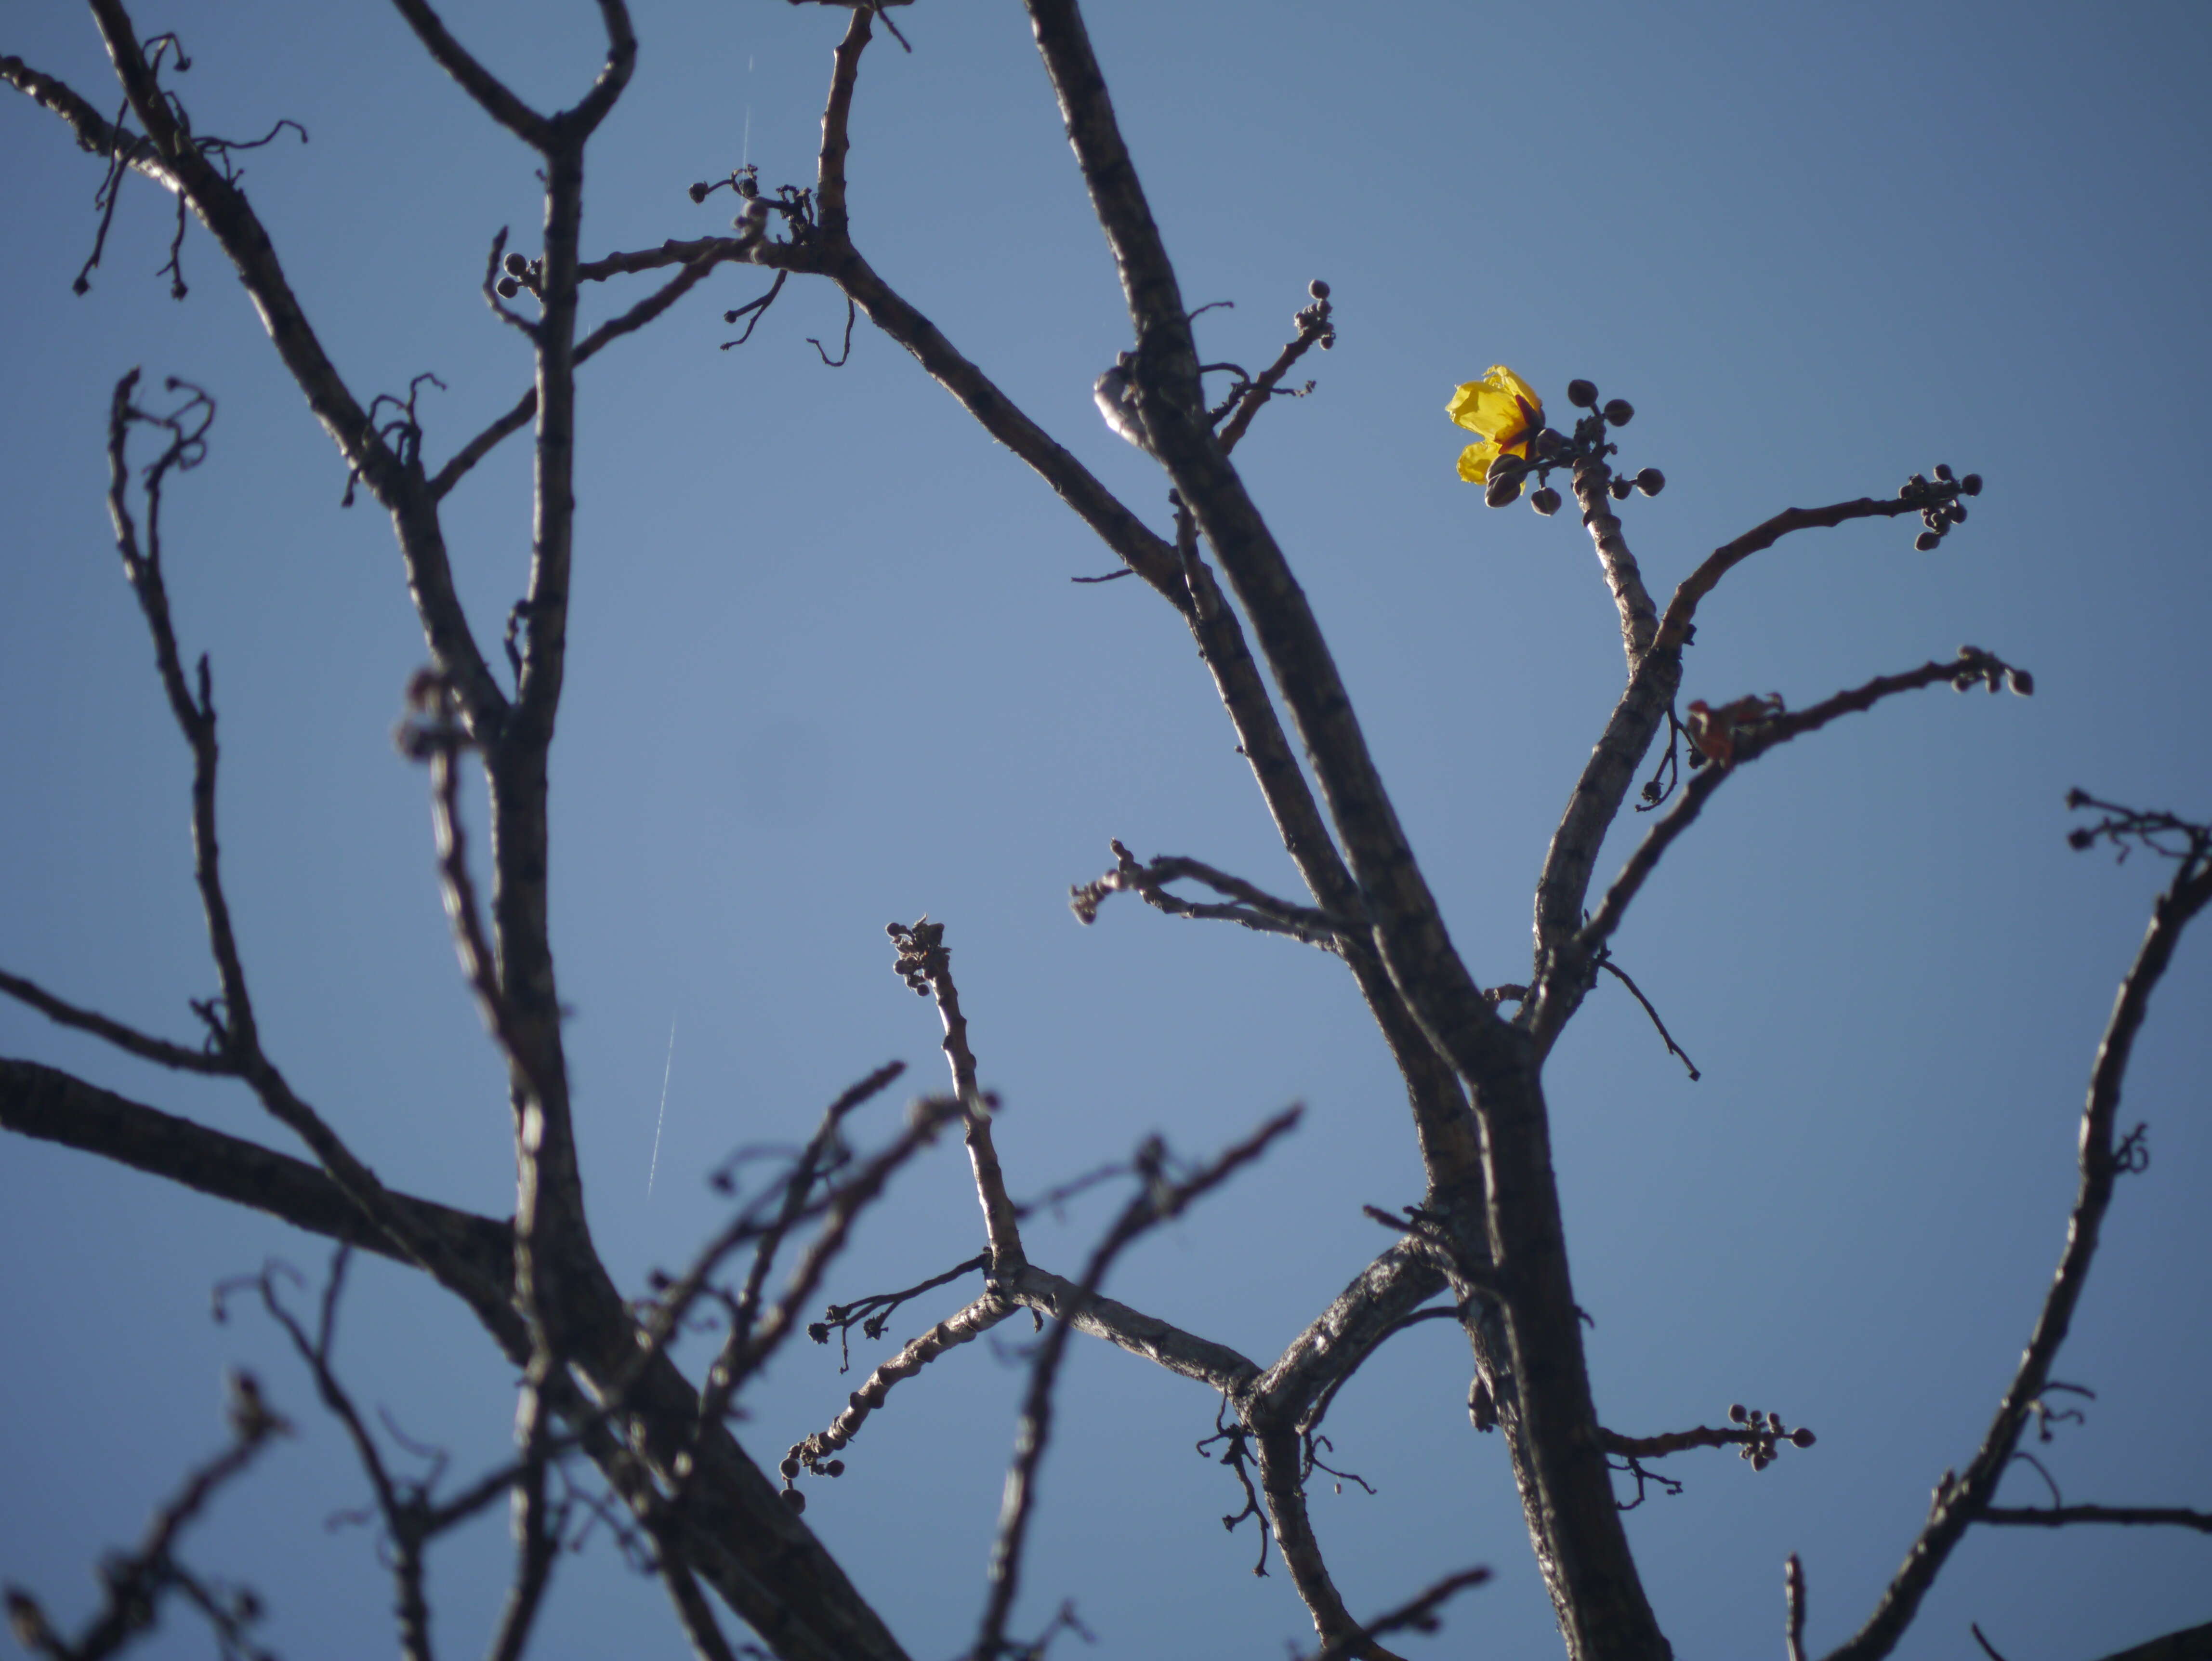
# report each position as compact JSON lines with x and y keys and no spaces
{"x":661,"y":1117}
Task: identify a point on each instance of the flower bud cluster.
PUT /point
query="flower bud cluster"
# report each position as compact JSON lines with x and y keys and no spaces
{"x":1979,"y":668}
{"x":1548,"y":449}
{"x":518,"y":273}
{"x":1768,"y":1433}
{"x":1938,"y":501}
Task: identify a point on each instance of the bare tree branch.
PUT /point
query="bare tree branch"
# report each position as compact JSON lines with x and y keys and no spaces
{"x":1958,"y":1504}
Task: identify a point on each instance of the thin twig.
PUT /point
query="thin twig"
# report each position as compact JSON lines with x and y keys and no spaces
{"x":1158,"y":1200}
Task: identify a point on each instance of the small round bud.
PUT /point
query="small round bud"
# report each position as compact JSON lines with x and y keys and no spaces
{"x":833,"y":1467}
{"x":1918,"y":481}
{"x":1582,"y":394}
{"x":1943,"y":471}
{"x":698,"y":191}
{"x":1619,"y":411}
{"x":1618,"y":488}
{"x":1544,"y":501}
{"x":1317,"y":288}
{"x":1651,"y":481}
{"x":2020,"y":682}
{"x":1505,"y":491}
{"x":747,"y":186}
{"x":1926,"y":540}
{"x":796,"y":1500}
{"x":1802,"y":1437}
{"x":508,"y":288}
{"x":1761,"y":1461}
{"x":1971,"y":484}
{"x":2078,"y":839}
{"x":516,"y":266}
{"x":1958,"y":512}
{"x":1736,"y":1413}
{"x":790,"y":1466}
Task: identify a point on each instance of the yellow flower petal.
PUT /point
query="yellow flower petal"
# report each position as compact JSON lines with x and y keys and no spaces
{"x":1492,"y":406}
{"x":1474,"y":461}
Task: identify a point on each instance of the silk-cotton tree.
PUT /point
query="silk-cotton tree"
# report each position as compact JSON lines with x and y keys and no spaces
{"x":608,"y":1425}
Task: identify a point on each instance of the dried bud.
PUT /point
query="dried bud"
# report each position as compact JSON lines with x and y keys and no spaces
{"x":508,"y":288}
{"x":2020,"y":682}
{"x":1317,"y":288}
{"x":790,"y":1465}
{"x":1503,"y":491}
{"x":1651,"y":481}
{"x":1621,"y":488}
{"x":2081,"y":839}
{"x":1971,"y":484}
{"x":1582,"y":394}
{"x":1802,"y":1437}
{"x":796,"y":1500}
{"x":818,"y":1331}
{"x":699,"y":190}
{"x":1926,"y":540}
{"x":1620,"y":411}
{"x":1736,"y":1414}
{"x":1546,"y":501}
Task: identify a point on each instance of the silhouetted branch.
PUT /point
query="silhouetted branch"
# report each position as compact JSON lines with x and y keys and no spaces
{"x":925,"y":964}
{"x":1315,"y":327}
{"x":2053,"y":1517}
{"x":1255,"y":908}
{"x":1959,"y":1503}
{"x":1158,"y":1200}
{"x":1972,"y":667}
{"x":134,"y":1584}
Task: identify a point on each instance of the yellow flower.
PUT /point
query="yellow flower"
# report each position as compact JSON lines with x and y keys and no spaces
{"x":1505,"y":411}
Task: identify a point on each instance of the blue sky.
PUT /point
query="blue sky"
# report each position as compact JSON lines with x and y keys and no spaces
{"x":828,"y":670}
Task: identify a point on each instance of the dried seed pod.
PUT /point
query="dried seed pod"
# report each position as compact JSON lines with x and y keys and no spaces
{"x":1582,"y":394}
{"x":1620,"y":411}
{"x":1651,"y":481}
{"x":1546,"y":501}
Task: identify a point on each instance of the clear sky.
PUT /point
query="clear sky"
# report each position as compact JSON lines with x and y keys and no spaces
{"x":828,"y":669}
